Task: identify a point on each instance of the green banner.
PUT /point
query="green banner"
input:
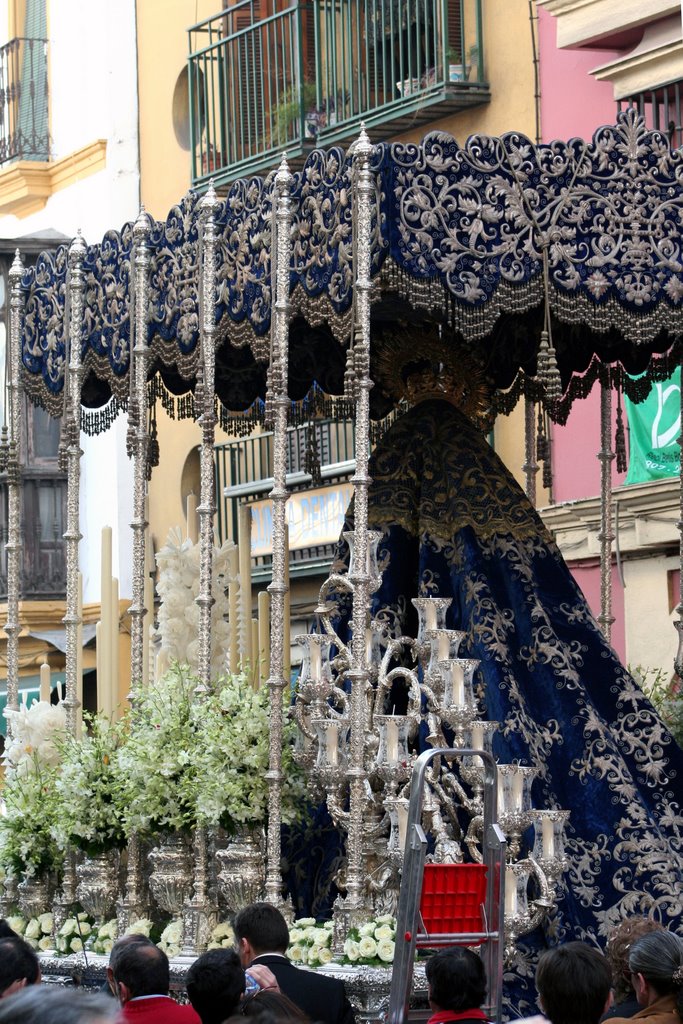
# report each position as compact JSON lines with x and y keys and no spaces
{"x":654,"y":429}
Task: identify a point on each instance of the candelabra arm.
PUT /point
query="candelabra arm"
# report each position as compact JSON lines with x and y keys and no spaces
{"x":547,"y":895}
{"x":413,"y":686}
{"x":340,"y":816}
{"x":342,"y":697}
{"x":297,"y":713}
{"x":473,"y":838}
{"x":465,"y":800}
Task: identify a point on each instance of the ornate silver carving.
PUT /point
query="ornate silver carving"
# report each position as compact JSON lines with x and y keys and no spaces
{"x":530,"y":467}
{"x":34,"y":894}
{"x":200,"y":913}
{"x":98,"y":883}
{"x":14,"y":492}
{"x":207,"y":505}
{"x":171,"y":876}
{"x":142,"y":259}
{"x":279,"y":629}
{"x":72,"y":410}
{"x":242,"y":876}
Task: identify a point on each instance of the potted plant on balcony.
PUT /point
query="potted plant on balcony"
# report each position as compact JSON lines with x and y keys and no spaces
{"x":456,"y":68}
{"x":288,"y":111}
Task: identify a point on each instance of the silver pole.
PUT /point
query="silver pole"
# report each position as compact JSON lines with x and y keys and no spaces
{"x":139,"y":523}
{"x":207,"y":505}
{"x":72,"y":534}
{"x":606,"y":535}
{"x":14,"y":488}
{"x":361,"y":482}
{"x":279,"y":635}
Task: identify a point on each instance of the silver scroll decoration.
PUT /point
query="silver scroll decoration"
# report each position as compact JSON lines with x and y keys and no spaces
{"x":207,"y":505}
{"x":72,"y":534}
{"x":12,"y":626}
{"x":530,"y":467}
{"x":142,"y":260}
{"x":358,"y":574}
{"x":281,"y":254}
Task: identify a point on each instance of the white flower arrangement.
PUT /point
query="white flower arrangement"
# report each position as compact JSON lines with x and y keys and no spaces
{"x":141,"y":926}
{"x":172,"y":938}
{"x":73,"y":934}
{"x":222,"y":937}
{"x":178,"y":586}
{"x":372,"y":942}
{"x":37,"y":931}
{"x":102,"y":937}
{"x":36,"y":733}
{"x":310,"y":943}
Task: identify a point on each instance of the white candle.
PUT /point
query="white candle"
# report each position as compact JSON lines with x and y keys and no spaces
{"x":264,"y":634}
{"x":510,"y":893}
{"x":502,"y":801}
{"x":287,"y":653}
{"x":443,"y":645}
{"x":191,"y":513}
{"x":45,"y":682}
{"x":244,"y":536}
{"x":233,"y":608}
{"x":79,"y":659}
{"x":391,"y":741}
{"x":114,"y":676}
{"x":548,"y":838}
{"x":255,"y":675}
{"x":402,"y":818}
{"x":315,"y":661}
{"x":332,"y":743}
{"x":148,"y":625}
{"x":517,"y":790}
{"x":430,"y":614}
{"x":105,"y":634}
{"x":477,"y":737}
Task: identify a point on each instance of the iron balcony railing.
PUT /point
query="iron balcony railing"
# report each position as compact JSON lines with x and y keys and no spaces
{"x":244,"y":472}
{"x":661,"y":109}
{"x":271,"y":75}
{"x":23,"y":100}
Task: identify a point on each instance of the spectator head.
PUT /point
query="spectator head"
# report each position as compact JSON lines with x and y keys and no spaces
{"x":5,"y":931}
{"x":19,"y":965}
{"x":618,"y":950}
{"x":275,"y":1005}
{"x":457,"y":980}
{"x":49,"y":1004}
{"x":140,"y":969}
{"x":133,"y":939}
{"x":656,"y":965}
{"x":215,"y":983}
{"x":574,"y":984}
{"x":260,"y":928}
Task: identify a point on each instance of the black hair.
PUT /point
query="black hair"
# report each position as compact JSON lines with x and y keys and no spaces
{"x":264,"y":928}
{"x":457,"y":980}
{"x":574,"y":982}
{"x":143,"y":969}
{"x":5,"y":931}
{"x":276,"y":1004}
{"x":214,"y":984}
{"x":49,"y":1004}
{"x":18,"y":962}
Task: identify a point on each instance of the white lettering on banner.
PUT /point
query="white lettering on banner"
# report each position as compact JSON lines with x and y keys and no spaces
{"x":314,"y":518}
{"x":669,"y":434}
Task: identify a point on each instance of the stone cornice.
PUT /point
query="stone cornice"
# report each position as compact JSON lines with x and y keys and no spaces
{"x":583,"y":22}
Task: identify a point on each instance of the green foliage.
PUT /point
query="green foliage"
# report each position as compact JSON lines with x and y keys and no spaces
{"x":288,"y":111}
{"x":27,"y":830}
{"x":666,"y":698}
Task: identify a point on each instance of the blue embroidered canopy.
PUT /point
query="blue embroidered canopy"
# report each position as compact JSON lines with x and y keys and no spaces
{"x":473,"y":237}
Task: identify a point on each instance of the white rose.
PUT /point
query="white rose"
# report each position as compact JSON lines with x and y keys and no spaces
{"x":214,"y":945}
{"x":46,"y":923}
{"x":172,"y":951}
{"x":17,"y":923}
{"x":324,"y":955}
{"x":84,"y":928}
{"x":68,"y":928}
{"x":82,"y":916}
{"x":296,"y":954}
{"x":367,"y":929}
{"x":314,"y":955}
{"x":386,"y":919}
{"x":76,"y":945}
{"x":305,"y":922}
{"x":33,"y":929}
{"x":320,"y":937}
{"x":46,"y":943}
{"x":295,"y":935}
{"x":384,"y":932}
{"x":33,"y":943}
{"x":351,"y":951}
{"x":143,"y":926}
{"x":367,"y":947}
{"x":107,"y":946}
{"x":385,"y":950}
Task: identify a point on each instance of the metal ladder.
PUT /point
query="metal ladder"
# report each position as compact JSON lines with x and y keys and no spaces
{"x":408,"y":917}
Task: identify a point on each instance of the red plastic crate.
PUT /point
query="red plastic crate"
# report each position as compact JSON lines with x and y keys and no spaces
{"x":452,"y":898}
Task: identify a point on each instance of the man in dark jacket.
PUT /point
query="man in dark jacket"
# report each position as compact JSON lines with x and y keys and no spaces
{"x":262,"y":937}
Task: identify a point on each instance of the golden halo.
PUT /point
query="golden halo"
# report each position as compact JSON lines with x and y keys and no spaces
{"x":416,"y":362}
